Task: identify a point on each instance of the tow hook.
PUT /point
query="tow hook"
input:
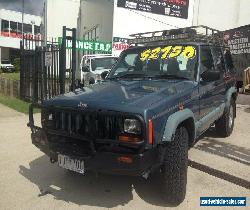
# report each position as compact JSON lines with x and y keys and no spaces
{"x":52,"y":160}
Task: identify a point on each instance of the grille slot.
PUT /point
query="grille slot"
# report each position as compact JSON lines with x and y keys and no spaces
{"x":94,"y":125}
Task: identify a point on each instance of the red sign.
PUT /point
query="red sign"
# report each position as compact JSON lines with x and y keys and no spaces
{"x":177,"y":2}
{"x":120,"y":46}
{"x":19,"y":35}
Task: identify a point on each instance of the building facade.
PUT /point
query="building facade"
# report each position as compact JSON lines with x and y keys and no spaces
{"x":11,"y":32}
{"x":105,"y":19}
{"x":56,"y":14}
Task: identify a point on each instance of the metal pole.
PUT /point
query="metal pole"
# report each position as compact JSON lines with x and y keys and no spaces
{"x":22,"y":16}
{"x":62,"y":62}
{"x":21,"y":72}
{"x":73,"y":58}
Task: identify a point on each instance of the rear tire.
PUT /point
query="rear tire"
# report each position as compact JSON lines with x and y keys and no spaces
{"x":224,"y":126}
{"x":175,"y":168}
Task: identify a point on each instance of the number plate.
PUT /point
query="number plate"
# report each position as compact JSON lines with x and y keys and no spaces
{"x":71,"y":164}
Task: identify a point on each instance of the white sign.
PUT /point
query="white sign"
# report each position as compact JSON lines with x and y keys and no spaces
{"x":48,"y":59}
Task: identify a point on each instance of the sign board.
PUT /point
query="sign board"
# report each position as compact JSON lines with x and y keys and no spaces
{"x":48,"y":59}
{"x":87,"y":45}
{"x":119,"y":44}
{"x":238,"y":40}
{"x":175,"y":8}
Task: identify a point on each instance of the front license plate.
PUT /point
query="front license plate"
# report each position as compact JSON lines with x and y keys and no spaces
{"x":71,"y":164}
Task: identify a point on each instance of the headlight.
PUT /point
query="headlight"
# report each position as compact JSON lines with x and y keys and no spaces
{"x":132,"y":126}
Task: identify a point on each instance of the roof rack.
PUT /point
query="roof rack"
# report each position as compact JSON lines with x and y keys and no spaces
{"x":189,"y":34}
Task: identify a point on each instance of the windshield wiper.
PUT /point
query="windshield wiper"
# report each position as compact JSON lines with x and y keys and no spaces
{"x":169,"y":76}
{"x":128,"y":75}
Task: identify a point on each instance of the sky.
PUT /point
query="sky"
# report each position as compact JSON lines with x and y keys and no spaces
{"x":34,"y":7}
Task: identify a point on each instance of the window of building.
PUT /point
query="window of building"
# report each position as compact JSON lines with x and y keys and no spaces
{"x":27,"y":28}
{"x":19,"y":27}
{"x":13,"y":26}
{"x":37,"y":30}
{"x":5,"y":26}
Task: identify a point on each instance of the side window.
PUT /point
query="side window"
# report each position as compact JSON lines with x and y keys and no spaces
{"x":228,"y":60}
{"x":129,"y":61}
{"x":218,"y":59}
{"x":207,"y":63}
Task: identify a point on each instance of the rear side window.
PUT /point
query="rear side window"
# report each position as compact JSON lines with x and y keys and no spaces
{"x":228,"y":60}
{"x":218,"y":59}
{"x":207,"y":63}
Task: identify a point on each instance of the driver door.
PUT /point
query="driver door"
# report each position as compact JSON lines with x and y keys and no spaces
{"x":209,"y":92}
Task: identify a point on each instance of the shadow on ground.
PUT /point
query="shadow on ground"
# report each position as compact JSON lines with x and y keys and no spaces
{"x":210,"y":145}
{"x":102,"y":191}
{"x":247,"y":110}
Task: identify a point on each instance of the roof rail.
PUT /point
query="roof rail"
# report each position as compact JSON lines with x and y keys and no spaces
{"x":194,"y":33}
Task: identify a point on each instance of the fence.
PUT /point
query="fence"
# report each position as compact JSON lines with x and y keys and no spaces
{"x":9,"y":87}
{"x":47,"y":70}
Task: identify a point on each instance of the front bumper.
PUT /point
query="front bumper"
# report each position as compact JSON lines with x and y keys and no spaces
{"x":104,"y":160}
{"x":8,"y":69}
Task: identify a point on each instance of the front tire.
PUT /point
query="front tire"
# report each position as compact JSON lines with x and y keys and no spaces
{"x":224,"y":126}
{"x":175,"y":168}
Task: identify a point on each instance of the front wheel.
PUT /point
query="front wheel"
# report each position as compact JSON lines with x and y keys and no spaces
{"x":174,"y":170}
{"x":224,"y":126}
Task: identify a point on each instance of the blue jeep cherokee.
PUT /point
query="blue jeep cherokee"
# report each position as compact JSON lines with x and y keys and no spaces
{"x":163,"y":93}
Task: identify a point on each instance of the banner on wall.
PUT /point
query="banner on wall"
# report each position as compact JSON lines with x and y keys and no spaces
{"x":238,"y":40}
{"x":118,"y":45}
{"x":87,"y":45}
{"x":175,"y":8}
{"x":19,"y":35}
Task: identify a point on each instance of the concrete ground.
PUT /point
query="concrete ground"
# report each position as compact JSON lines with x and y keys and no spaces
{"x":217,"y":167}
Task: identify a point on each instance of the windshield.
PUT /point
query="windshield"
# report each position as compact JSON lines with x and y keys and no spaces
{"x":5,"y":62}
{"x":177,"y":62}
{"x":102,"y":63}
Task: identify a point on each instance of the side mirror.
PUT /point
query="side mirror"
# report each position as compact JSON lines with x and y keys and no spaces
{"x":210,"y":76}
{"x":85,"y":69}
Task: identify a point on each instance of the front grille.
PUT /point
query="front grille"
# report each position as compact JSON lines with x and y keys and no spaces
{"x":92,"y":125}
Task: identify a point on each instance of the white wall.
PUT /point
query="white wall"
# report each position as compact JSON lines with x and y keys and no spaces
{"x":244,"y":13}
{"x":95,"y":12}
{"x":127,"y":21}
{"x":222,"y":14}
{"x":219,"y":14}
{"x":9,"y":42}
{"x":61,"y":13}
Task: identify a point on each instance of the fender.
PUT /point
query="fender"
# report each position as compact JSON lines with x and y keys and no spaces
{"x":173,"y":121}
{"x":229,"y":94}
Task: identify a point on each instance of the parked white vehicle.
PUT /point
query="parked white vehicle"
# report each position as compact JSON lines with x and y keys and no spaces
{"x":95,"y":67}
{"x":6,"y":66}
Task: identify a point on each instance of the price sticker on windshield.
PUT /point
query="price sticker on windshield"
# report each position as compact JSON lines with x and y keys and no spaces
{"x":187,"y":52}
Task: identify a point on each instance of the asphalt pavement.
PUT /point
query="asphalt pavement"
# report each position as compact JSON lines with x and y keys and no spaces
{"x":217,"y":167}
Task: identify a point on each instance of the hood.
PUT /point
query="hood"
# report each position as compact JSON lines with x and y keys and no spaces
{"x":132,"y":96}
